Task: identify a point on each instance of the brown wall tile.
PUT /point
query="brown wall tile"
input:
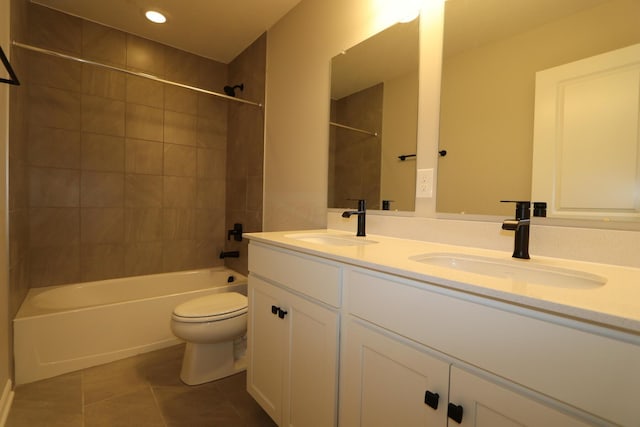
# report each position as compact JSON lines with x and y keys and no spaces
{"x":145,"y":92}
{"x":212,"y":163}
{"x":55,"y":30}
{"x":144,"y":122}
{"x":145,"y":55}
{"x":101,"y":82}
{"x":180,"y":99}
{"x":180,"y":128}
{"x":211,"y":133}
{"x":102,"y":225}
{"x":179,"y":255}
{"x":143,"y":258}
{"x":143,"y":191}
{"x":179,"y":160}
{"x":113,"y":175}
{"x":143,"y":157}
{"x":103,"y":44}
{"x":54,"y":147}
{"x":102,"y":152}
{"x":210,"y":194}
{"x":54,"y":108}
{"x":54,"y":265}
{"x":54,"y":72}
{"x":181,"y":66}
{"x":54,"y":226}
{"x":99,"y":262}
{"x":142,"y":225}
{"x":50,"y":187}
{"x":179,"y":192}
{"x":179,"y":224}
{"x":101,"y":189}
{"x":103,"y":115}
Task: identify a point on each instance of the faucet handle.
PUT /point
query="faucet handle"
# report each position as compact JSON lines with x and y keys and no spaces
{"x":540,"y":209}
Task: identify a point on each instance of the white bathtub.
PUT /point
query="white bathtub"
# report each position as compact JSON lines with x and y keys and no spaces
{"x":64,"y":328}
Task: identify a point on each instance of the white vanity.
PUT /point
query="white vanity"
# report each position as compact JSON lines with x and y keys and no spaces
{"x":379,"y":331}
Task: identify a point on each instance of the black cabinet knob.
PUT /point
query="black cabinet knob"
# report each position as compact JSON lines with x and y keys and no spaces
{"x":431,"y":399}
{"x":274,"y":309}
{"x":281,"y":313}
{"x":455,"y":412}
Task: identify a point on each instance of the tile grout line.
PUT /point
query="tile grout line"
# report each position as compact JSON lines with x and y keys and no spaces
{"x":155,"y":399}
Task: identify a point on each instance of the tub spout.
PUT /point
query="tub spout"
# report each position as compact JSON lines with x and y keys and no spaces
{"x":229,"y":254}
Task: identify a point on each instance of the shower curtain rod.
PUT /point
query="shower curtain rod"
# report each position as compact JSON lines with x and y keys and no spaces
{"x":338,"y":125}
{"x":134,"y":73}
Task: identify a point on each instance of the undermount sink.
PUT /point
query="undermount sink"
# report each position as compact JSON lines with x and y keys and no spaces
{"x":513,"y":269}
{"x":330,"y":239}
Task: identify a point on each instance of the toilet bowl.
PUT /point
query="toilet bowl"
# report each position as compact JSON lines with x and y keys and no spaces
{"x":214,"y":329}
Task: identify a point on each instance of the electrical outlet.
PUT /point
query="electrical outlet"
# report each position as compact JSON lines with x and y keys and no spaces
{"x":424,"y":183}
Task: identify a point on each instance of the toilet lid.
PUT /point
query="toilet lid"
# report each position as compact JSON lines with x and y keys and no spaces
{"x":213,"y":307}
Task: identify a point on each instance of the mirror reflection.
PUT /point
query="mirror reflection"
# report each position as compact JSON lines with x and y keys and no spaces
{"x":374,"y":111}
{"x":491,"y":54}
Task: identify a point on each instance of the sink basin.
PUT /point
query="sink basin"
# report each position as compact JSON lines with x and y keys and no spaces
{"x":516,"y":270}
{"x":330,"y":239}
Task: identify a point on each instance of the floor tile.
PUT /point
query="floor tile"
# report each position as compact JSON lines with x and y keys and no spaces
{"x":134,"y":409}
{"x":141,"y":391}
{"x":111,"y":380}
{"x":51,"y":402}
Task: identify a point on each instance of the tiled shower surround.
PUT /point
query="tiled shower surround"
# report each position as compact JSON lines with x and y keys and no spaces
{"x":114,"y":175}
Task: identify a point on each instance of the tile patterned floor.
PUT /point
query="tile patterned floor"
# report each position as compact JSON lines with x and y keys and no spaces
{"x":141,"y":391}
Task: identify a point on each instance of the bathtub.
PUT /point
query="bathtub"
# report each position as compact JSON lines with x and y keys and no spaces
{"x":60,"y":329}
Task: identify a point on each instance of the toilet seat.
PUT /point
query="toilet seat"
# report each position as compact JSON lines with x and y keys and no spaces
{"x":211,"y":308}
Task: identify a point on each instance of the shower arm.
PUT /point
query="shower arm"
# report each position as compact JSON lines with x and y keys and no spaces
{"x":134,"y":73}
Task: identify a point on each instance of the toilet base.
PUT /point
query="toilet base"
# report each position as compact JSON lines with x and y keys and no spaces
{"x":203,"y":363}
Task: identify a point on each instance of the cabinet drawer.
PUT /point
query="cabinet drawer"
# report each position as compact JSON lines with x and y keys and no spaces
{"x":597,"y":374}
{"x":306,"y":275}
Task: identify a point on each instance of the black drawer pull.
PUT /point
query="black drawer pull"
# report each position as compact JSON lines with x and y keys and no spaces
{"x":274,"y":309}
{"x":281,"y":313}
{"x":455,"y":412}
{"x":431,"y":399}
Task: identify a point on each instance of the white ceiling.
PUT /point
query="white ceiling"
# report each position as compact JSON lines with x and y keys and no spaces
{"x":216,"y":29}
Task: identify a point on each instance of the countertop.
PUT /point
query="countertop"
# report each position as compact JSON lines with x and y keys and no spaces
{"x":616,"y":304}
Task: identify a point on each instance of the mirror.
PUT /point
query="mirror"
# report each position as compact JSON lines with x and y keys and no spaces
{"x":373,"y":128}
{"x":492,"y":51}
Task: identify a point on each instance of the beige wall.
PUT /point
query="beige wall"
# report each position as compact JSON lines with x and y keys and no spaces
{"x":488,"y":100}
{"x":5,"y":323}
{"x":125,"y":175}
{"x":299,"y":52}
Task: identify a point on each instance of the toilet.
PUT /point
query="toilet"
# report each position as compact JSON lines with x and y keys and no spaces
{"x":214,"y":329}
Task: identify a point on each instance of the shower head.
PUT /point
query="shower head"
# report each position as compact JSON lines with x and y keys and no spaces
{"x":231,"y":90}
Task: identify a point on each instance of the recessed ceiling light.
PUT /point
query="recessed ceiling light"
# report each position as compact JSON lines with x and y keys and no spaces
{"x":155,"y":16}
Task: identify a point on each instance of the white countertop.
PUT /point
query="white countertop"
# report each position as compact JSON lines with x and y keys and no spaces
{"x":615,"y":304}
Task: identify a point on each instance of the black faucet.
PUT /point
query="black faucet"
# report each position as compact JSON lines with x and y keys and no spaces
{"x":521,"y":225}
{"x":361,"y":212}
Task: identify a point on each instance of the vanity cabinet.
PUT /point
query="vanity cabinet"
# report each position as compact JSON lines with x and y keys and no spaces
{"x":389,"y":380}
{"x":412,"y":352}
{"x":293,"y":337}
{"x":404,"y":338}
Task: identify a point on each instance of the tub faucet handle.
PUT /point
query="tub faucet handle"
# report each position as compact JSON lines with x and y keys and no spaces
{"x":236,"y":232}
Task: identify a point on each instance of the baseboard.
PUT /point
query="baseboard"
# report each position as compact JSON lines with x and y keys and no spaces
{"x":5,"y":402}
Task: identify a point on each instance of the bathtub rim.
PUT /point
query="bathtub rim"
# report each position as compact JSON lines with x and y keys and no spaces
{"x":28,"y":311}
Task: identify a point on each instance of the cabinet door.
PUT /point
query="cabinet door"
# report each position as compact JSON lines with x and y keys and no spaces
{"x":312,"y":363}
{"x":266,"y":348}
{"x":293,"y":357}
{"x":385,"y":380}
{"x":487,"y":404}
